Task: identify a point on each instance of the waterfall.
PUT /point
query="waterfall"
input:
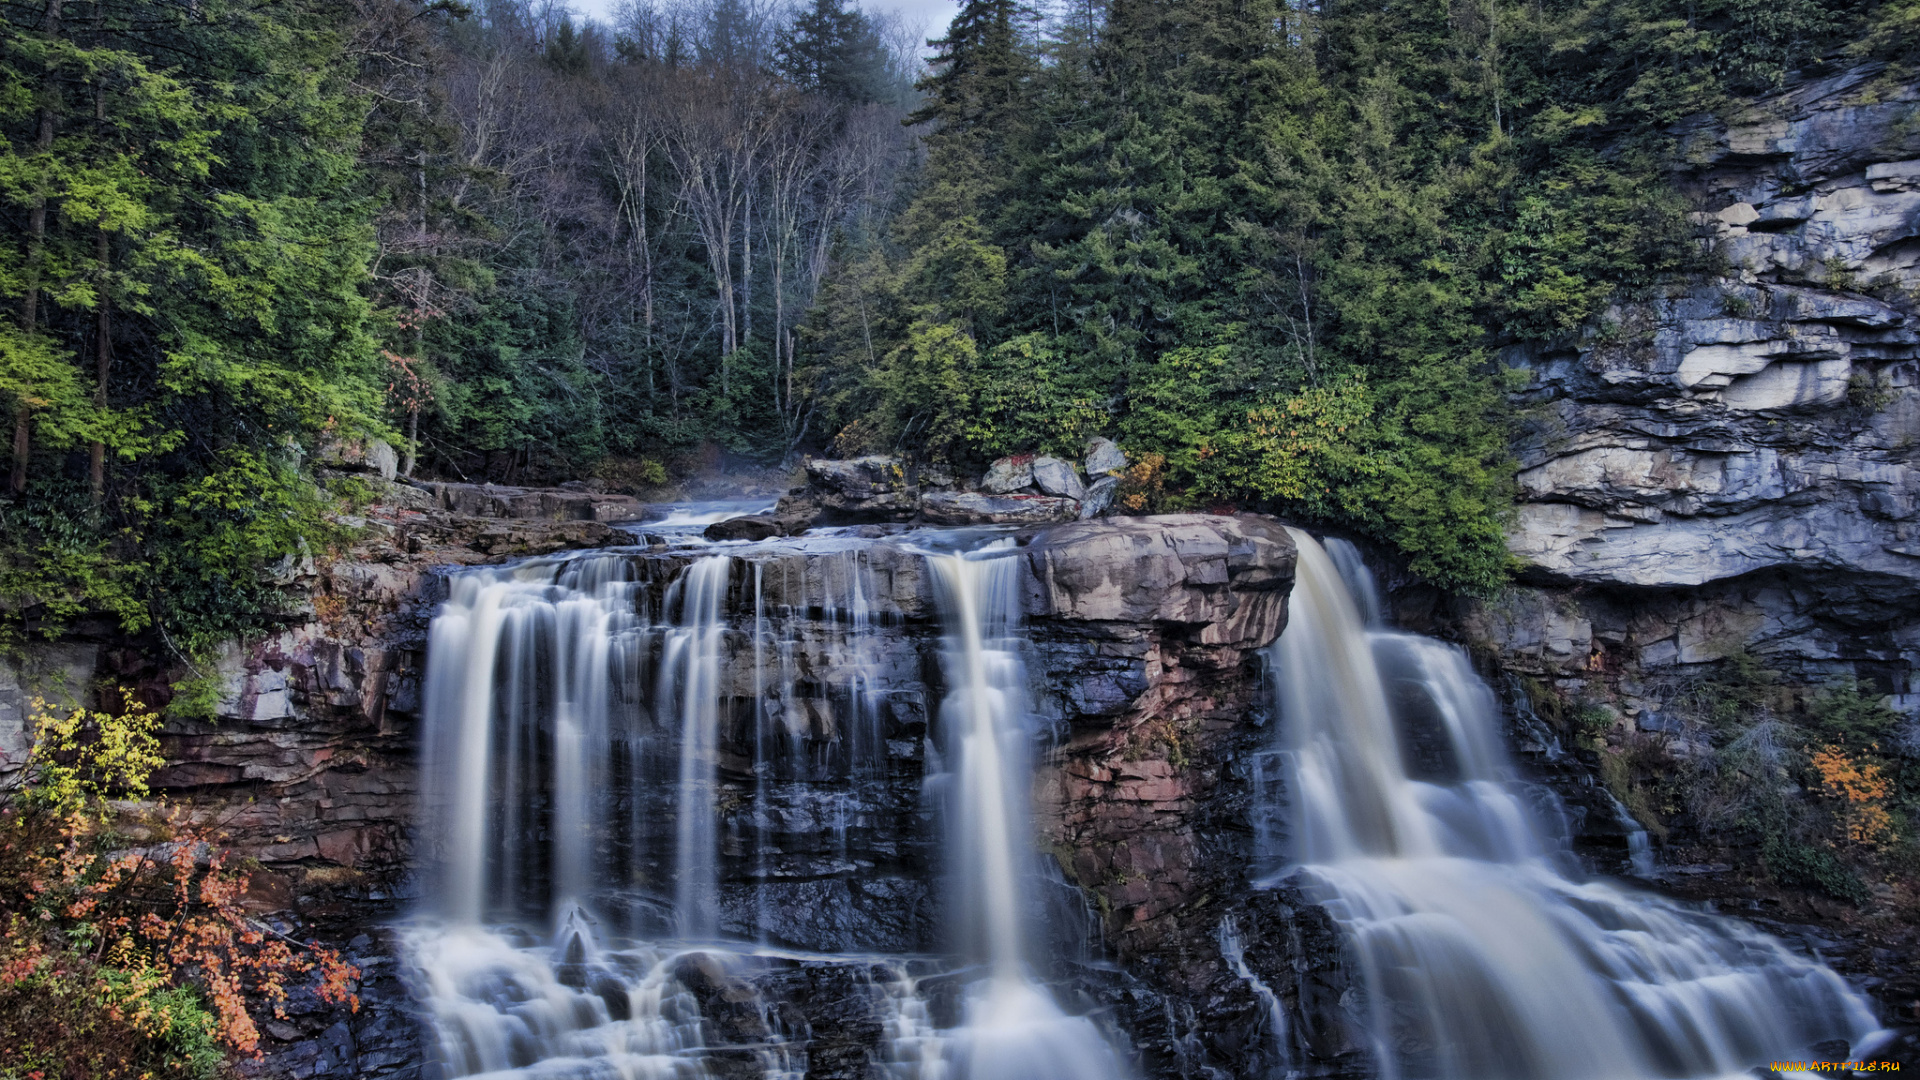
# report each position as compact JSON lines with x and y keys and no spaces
{"x":1015,"y":1030}
{"x":645,"y":774}
{"x":694,"y":646}
{"x":1481,"y":955}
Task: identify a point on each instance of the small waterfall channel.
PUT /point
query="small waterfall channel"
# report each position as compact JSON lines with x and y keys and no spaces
{"x":657,"y":782}
{"x":1481,"y":953}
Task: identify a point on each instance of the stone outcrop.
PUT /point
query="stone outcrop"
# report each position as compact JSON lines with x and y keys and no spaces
{"x":1761,"y":427}
{"x":535,"y":504}
{"x":1150,"y":630}
{"x":974,"y":508}
{"x":1021,"y":489}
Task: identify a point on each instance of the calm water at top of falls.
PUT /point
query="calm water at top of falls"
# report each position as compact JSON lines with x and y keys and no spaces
{"x":621,"y":750}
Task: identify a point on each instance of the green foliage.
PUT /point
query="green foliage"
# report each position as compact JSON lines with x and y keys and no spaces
{"x":81,"y":757}
{"x":64,"y":1018}
{"x":1807,"y":867}
{"x":1851,"y":716}
{"x":1026,"y":398}
{"x":193,"y":247}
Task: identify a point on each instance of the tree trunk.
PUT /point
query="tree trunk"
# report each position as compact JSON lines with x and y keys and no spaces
{"x":103,"y":364}
{"x":746,"y":273}
{"x":413,"y":442}
{"x":30,"y":303}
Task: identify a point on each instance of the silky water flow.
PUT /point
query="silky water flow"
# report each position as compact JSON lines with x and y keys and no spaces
{"x":577,"y":712}
{"x":1015,"y":1030}
{"x":1482,"y":955}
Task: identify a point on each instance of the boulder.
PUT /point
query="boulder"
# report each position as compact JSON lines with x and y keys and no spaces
{"x":1008,"y":475}
{"x":1099,"y":498}
{"x":858,"y":490}
{"x":973,"y":508}
{"x":406,"y":496}
{"x":358,"y":455}
{"x":1104,"y":458}
{"x":1227,"y":576}
{"x":754,"y":527}
{"x":1056,"y":477}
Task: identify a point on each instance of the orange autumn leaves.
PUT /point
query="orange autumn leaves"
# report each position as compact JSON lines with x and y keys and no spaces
{"x":156,"y":928}
{"x":1859,"y":789}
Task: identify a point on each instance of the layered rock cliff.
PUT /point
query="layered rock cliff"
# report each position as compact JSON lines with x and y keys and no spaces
{"x":1753,"y":436}
{"x":1145,"y":634}
{"x":1728,"y":470}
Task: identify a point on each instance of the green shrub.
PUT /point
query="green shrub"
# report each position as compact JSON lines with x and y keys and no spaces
{"x":1807,"y":867}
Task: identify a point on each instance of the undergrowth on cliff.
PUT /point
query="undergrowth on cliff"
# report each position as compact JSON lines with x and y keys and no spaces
{"x":126,"y":949}
{"x":1824,"y":781}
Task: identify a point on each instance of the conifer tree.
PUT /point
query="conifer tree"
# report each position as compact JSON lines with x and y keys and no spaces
{"x":833,"y":50}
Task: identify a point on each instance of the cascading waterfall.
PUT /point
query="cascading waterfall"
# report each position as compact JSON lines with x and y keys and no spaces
{"x":1481,"y":956}
{"x":595,"y":726}
{"x":1015,"y":1030}
{"x":694,"y":647}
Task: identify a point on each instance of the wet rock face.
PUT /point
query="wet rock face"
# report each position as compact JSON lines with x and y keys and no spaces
{"x":1145,"y":636}
{"x":1197,"y":1016}
{"x":1150,"y":634}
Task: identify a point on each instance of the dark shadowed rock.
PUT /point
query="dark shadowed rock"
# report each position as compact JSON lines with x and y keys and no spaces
{"x":1099,"y":498}
{"x":755,"y":527}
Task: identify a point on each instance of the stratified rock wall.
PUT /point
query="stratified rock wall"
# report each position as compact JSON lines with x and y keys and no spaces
{"x":1741,"y":455}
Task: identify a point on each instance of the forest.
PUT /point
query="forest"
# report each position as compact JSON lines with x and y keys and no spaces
{"x":1283,"y":252}
{"x":1273,"y":249}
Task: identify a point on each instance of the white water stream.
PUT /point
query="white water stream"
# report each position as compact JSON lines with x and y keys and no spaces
{"x":572,"y":899}
{"x":1481,"y":958}
{"x":1014,"y":1029}
{"x":595,"y":725}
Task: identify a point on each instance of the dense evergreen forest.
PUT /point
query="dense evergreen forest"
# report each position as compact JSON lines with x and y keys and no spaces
{"x":1272,"y":249}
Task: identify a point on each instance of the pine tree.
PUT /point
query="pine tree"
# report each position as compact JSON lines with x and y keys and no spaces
{"x":833,"y":50}
{"x":190,"y":271}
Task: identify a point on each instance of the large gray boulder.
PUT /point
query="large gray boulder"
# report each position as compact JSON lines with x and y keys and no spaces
{"x":1008,"y":475}
{"x":1056,"y":477}
{"x":1226,"y":576}
{"x":1104,"y":458}
{"x":856,"y":491}
{"x":357,"y":455}
{"x":974,"y":508}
